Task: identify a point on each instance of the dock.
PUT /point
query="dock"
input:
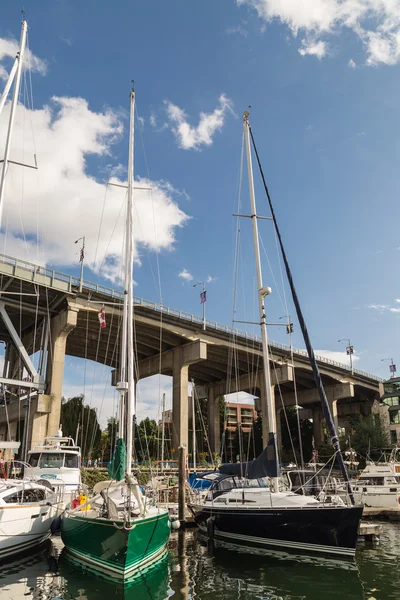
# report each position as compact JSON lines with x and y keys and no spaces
{"x":392,"y":513}
{"x":370,"y":532}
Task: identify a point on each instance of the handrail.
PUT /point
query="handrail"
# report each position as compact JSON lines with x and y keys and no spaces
{"x":73,"y":284}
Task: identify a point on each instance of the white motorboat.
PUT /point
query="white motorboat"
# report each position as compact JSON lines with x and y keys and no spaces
{"x":379,"y":484}
{"x":57,"y":460}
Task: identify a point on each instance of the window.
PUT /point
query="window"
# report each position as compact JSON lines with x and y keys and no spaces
{"x":14,"y":498}
{"x":371,"y":480}
{"x":33,"y":460}
{"x":392,"y":401}
{"x":71,"y":461}
{"x":33,"y":495}
{"x":391,"y":387}
{"x":394,"y":416}
{"x":51,"y":461}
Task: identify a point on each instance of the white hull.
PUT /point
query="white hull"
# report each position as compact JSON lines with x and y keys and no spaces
{"x":378,"y":496}
{"x":23,"y":527}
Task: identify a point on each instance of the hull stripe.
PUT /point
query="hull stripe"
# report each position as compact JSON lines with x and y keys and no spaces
{"x":115,"y":571}
{"x":282,"y":543}
{"x":21,"y":547}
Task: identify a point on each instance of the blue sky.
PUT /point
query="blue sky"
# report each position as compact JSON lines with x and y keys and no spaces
{"x":323,"y":81}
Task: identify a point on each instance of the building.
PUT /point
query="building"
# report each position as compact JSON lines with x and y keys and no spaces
{"x":167,"y":418}
{"x":242,"y":415}
{"x":391,"y":399}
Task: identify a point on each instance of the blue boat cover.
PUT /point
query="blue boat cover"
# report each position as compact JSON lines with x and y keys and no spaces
{"x":265,"y":465}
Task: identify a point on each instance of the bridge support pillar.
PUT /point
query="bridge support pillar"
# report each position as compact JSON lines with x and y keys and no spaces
{"x":318,"y":433}
{"x":334,"y":412}
{"x":214,"y":425}
{"x":264,"y":411}
{"x":182,"y":358}
{"x":279,"y":429}
{"x":61,"y":326}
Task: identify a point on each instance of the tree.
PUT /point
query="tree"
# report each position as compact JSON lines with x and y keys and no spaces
{"x":368,"y":433}
{"x":146,"y":440}
{"x":291,"y":436}
{"x":75,"y":413}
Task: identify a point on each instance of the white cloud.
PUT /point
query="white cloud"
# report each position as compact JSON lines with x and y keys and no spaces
{"x":184,"y":274}
{"x":153,"y":121}
{"x":398,"y":300}
{"x":313,"y":48}
{"x":9,"y":49}
{"x":66,"y":133}
{"x":395,"y":310}
{"x":337,"y":356}
{"x":238,"y":29}
{"x":190,"y":137}
{"x":379,"y":307}
{"x":352,"y":64}
{"x":375,"y":22}
{"x":210,"y":279}
{"x":141,"y":121}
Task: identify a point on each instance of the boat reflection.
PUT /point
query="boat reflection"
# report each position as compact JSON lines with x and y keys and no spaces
{"x":283,"y":575}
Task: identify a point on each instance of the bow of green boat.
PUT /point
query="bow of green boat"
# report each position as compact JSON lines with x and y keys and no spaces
{"x":117,"y":547}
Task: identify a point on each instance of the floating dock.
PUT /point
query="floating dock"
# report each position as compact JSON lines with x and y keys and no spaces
{"x":392,"y":513}
{"x":370,"y":532}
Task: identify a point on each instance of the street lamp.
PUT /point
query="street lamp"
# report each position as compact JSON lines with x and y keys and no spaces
{"x":81,"y":260}
{"x":203,"y":298}
{"x":392,"y":366}
{"x":349,"y":350}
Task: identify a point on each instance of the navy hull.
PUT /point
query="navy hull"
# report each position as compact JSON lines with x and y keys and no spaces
{"x":323,"y":530}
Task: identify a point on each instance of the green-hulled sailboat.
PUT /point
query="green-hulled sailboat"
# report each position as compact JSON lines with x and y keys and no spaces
{"x":119,"y":532}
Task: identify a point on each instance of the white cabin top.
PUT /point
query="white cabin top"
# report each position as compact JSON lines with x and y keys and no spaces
{"x":57,"y":443}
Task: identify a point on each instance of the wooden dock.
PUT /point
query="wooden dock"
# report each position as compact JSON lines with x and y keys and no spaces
{"x":370,"y":531}
{"x":391,"y":514}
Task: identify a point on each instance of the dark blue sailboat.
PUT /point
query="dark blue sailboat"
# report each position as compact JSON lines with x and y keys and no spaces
{"x":245,"y":504}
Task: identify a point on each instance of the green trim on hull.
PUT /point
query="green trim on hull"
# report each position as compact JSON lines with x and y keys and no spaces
{"x":107,"y":547}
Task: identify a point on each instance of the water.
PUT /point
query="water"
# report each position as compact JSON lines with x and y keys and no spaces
{"x":194,"y":570}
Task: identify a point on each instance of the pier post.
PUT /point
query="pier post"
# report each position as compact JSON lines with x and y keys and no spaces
{"x":182,"y":483}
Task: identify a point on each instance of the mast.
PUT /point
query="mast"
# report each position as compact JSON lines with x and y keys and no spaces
{"x":194,"y":428}
{"x":126,"y":385}
{"x":262,"y":293}
{"x":131,"y":402}
{"x":14,"y":102}
{"x":162,"y":431}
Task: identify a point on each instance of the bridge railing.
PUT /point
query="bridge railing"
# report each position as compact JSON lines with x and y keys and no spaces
{"x":69,"y":283}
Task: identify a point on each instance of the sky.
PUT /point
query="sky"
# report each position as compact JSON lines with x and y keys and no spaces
{"x":322,"y":78}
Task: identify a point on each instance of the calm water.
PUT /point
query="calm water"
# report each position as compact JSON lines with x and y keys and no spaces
{"x":193,"y":570}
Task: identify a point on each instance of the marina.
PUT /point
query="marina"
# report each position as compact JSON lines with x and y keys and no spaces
{"x":148,"y":452}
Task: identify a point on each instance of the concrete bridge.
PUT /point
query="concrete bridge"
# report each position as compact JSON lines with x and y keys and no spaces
{"x":43,"y":311}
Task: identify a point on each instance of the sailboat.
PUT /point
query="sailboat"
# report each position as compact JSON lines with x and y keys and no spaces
{"x":27,"y":508}
{"x":247,"y":504}
{"x":119,"y":531}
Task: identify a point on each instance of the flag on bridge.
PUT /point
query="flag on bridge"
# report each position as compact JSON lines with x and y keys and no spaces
{"x":350,"y":350}
{"x":203,"y":297}
{"x":392,"y":368}
{"x":82,"y":254}
{"x":102,"y":317}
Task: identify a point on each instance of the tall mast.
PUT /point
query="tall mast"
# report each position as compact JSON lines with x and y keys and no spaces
{"x":14,"y":102}
{"x":131,"y":403}
{"x":262,"y":293}
{"x":163,"y":431}
{"x":194,"y":427}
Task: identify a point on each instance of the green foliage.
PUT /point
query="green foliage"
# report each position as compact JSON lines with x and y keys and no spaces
{"x":368,"y":433}
{"x":203,"y":458}
{"x":73,"y":413}
{"x":146,"y":440}
{"x":92,"y":476}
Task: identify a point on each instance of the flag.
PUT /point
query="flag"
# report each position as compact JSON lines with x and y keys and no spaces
{"x":203,"y":297}
{"x":289,"y":328}
{"x":82,"y":254}
{"x":392,"y":368}
{"x":102,"y":317}
{"x":350,"y":349}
